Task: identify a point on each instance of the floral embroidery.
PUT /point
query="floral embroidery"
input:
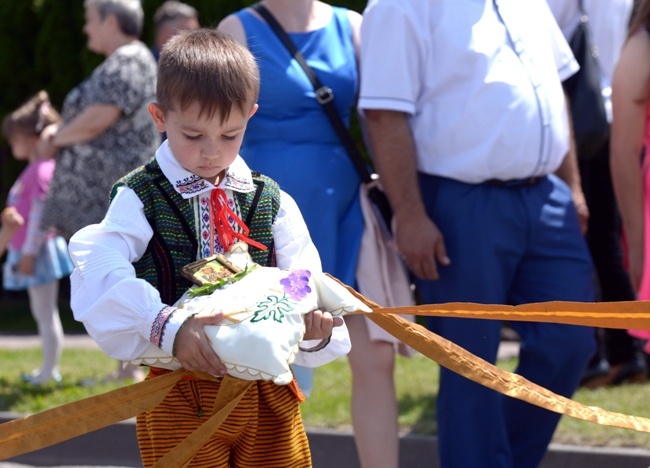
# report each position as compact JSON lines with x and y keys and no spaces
{"x":296,"y":285}
{"x":204,"y":216}
{"x":158,"y":327}
{"x":190,"y":185}
{"x":272,"y":308}
{"x":240,"y":184}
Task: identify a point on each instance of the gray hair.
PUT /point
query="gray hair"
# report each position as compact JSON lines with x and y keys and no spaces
{"x":171,"y":11}
{"x":129,"y":13}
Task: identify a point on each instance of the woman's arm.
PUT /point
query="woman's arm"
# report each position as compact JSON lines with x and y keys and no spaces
{"x":630,"y":94}
{"x":87,"y":125}
{"x":355,"y":24}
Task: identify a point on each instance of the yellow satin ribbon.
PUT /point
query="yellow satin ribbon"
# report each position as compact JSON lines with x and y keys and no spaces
{"x":65,"y":422}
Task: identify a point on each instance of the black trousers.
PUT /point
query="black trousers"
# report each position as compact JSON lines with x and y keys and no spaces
{"x":604,"y":241}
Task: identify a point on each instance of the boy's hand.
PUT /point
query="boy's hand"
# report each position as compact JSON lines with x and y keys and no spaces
{"x":192,"y":347}
{"x":319,"y":325}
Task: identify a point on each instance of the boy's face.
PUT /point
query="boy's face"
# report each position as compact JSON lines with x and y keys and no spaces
{"x":203,"y":145}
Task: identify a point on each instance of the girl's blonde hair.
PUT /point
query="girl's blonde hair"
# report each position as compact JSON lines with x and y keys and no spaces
{"x":31,"y":117}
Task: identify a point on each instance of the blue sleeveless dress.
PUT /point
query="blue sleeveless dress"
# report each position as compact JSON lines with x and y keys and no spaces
{"x":291,"y":140}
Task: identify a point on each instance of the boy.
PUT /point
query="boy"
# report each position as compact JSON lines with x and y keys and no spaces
{"x":185,"y":204}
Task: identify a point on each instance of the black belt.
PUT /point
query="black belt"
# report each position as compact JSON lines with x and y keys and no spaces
{"x":514,"y":183}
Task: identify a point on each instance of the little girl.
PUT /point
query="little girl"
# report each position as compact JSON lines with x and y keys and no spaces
{"x":36,"y":260}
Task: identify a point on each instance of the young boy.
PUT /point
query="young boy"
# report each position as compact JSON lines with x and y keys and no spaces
{"x":185,"y":204}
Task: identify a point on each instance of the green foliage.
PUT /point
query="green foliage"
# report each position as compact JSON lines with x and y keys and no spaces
{"x":209,"y":288}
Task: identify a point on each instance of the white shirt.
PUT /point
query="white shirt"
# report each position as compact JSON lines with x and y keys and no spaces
{"x":119,"y":310}
{"x":484,"y":100}
{"x":608,"y":21}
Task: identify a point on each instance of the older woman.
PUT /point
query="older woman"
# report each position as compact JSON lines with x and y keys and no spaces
{"x":106,"y":130}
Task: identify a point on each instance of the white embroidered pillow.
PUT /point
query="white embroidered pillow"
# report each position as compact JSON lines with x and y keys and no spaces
{"x":265,"y":321}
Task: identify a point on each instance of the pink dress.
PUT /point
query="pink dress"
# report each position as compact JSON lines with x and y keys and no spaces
{"x":644,"y":287}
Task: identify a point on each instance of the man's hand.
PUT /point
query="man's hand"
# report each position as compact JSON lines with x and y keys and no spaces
{"x":582,"y":209}
{"x":192,"y":347}
{"x":421,"y":245}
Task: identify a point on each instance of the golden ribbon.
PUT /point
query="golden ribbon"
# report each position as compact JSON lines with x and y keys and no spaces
{"x":65,"y":422}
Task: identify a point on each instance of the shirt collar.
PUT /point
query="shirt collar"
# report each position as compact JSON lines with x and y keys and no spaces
{"x":238,"y":176}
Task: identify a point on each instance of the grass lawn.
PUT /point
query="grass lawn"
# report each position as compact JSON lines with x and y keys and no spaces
{"x":329,"y":405}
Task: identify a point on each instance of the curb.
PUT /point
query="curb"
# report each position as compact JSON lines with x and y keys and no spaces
{"x":116,"y":446}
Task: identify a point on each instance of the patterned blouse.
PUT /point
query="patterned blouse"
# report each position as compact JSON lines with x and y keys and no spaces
{"x":85,"y":172}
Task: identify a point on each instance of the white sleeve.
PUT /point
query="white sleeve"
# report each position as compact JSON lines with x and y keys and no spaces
{"x":565,"y":62}
{"x":393,"y":39}
{"x":294,"y":249}
{"x":121,"y":312}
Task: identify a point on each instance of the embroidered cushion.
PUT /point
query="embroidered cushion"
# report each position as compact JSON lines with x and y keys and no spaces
{"x":264,"y":322}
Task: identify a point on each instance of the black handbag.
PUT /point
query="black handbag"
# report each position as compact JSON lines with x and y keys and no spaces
{"x":325,"y":97}
{"x":590,"y":125}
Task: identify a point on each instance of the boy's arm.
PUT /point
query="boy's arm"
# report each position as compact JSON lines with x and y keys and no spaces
{"x":295,"y":250}
{"x":122,"y":313}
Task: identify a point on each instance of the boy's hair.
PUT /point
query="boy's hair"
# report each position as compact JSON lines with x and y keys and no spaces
{"x":208,"y":67}
{"x":31,"y":117}
{"x":129,"y":14}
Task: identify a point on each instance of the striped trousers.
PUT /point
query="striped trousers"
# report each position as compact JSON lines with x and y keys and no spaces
{"x":264,"y":430}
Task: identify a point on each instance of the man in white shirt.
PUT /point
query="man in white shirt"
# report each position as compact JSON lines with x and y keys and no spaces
{"x":468,"y":126}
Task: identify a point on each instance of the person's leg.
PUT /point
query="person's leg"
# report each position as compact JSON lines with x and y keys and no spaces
{"x":374,"y":404}
{"x":557,"y":266}
{"x":184,"y":409}
{"x":616,"y":348}
{"x":128,"y":371}
{"x":485,"y":233}
{"x":43,"y":303}
{"x":305,"y":378}
{"x":271,"y":432}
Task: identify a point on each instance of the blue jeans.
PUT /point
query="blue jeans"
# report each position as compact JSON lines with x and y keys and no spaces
{"x":507,"y":245}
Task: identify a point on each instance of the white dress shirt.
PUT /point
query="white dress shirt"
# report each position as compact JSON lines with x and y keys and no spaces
{"x":479,"y":79}
{"x":119,"y":310}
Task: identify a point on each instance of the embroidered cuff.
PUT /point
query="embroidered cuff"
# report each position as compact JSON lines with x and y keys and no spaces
{"x":173,"y":325}
{"x":159,"y":325}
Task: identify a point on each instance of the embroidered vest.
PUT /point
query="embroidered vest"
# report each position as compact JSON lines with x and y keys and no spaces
{"x":174,"y":243}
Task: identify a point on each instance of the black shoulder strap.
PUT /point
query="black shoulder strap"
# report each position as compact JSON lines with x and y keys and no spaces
{"x":325,"y":97}
{"x":324,"y":94}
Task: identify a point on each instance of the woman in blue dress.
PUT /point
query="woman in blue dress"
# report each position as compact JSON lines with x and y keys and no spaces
{"x":291,"y":140}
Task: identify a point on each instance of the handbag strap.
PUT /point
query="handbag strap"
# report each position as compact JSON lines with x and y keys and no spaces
{"x":324,"y":94}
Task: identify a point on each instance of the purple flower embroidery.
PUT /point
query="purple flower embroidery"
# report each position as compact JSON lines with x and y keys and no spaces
{"x":296,"y":285}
